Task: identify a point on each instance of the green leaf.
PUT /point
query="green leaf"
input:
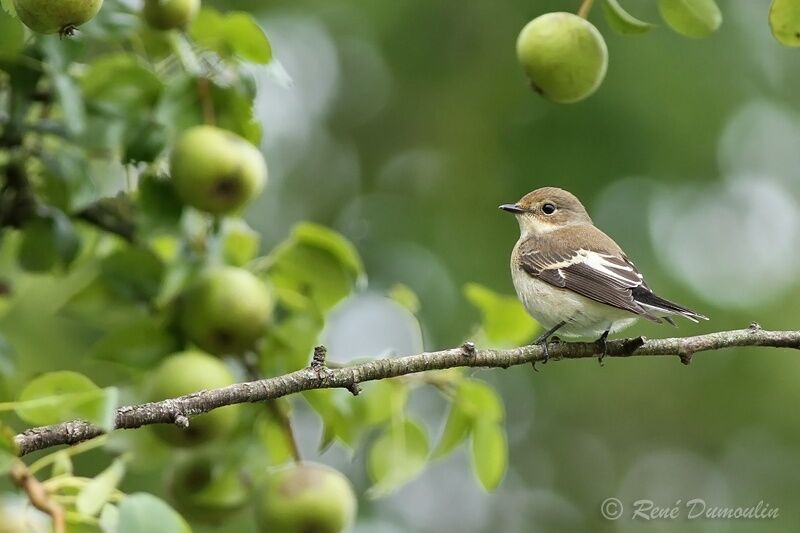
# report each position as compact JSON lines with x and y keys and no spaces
{"x":246,"y":38}
{"x":36,"y":253}
{"x":109,"y":519}
{"x":474,"y":403}
{"x":121,"y":85}
{"x":232,"y":34}
{"x":181,"y":107}
{"x":504,"y":319}
{"x":623,"y":22}
{"x":784,"y":20}
{"x":692,"y":18}
{"x":62,"y":464}
{"x":479,"y":401}
{"x":71,"y":102}
{"x":64,"y":395}
{"x":216,"y":487}
{"x":274,"y":439}
{"x":239,"y":242}
{"x":140,"y":343}
{"x":12,"y":34}
{"x":234,"y":112}
{"x":133,"y":272}
{"x":8,"y":449}
{"x":208,"y":30}
{"x":8,"y":7}
{"x":144,"y":513}
{"x":67,"y":168}
{"x":58,"y":56}
{"x":47,"y":241}
{"x":456,"y":429}
{"x":288,"y":344}
{"x":158,"y":203}
{"x":144,"y":141}
{"x":405,"y":296}
{"x":489,"y":453}
{"x":22,"y":77}
{"x":397,"y":457}
{"x":318,"y":263}
{"x":96,"y":493}
{"x":331,"y":241}
{"x":337,"y":419}
{"x":382,"y":400}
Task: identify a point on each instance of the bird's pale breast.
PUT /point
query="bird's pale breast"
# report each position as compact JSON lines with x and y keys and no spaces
{"x":550,"y":305}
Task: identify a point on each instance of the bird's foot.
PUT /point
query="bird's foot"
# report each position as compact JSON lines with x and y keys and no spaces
{"x":602,"y":345}
{"x":542,"y":341}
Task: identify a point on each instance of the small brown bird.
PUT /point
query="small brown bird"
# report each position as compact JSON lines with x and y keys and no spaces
{"x":573,"y":278}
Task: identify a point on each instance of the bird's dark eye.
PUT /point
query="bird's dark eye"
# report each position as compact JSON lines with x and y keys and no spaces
{"x":548,"y":208}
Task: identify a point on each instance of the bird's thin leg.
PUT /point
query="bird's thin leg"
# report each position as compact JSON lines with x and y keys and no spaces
{"x":603,"y":344}
{"x":542,"y":341}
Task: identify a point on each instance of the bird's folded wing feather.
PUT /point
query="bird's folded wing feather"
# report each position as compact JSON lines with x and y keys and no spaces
{"x":607,"y":278}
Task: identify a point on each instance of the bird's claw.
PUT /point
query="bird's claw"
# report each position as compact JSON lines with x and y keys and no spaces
{"x":542,"y":341}
{"x":602,"y":344}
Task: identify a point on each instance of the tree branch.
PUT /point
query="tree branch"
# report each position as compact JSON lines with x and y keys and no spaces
{"x":320,"y":376}
{"x":38,"y":495}
{"x":113,"y":215}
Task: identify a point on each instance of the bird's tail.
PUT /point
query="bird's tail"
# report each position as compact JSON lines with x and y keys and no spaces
{"x":656,"y":305}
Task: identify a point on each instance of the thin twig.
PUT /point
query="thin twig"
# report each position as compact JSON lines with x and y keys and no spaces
{"x":38,"y":495}
{"x":206,"y":101}
{"x":113,"y":215}
{"x":322,"y":377}
{"x":586,"y":6}
{"x":275,"y":410}
{"x":286,"y":424}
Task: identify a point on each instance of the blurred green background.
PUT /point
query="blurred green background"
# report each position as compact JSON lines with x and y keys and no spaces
{"x":407,"y":123}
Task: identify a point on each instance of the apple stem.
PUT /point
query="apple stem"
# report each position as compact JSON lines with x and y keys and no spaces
{"x":253,"y":372}
{"x":586,"y":6}
{"x":206,"y":102}
{"x":286,"y":423}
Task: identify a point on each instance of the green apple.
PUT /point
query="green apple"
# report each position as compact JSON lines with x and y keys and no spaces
{"x":225,"y":310}
{"x":170,"y":14}
{"x":184,"y":373}
{"x":204,"y":488}
{"x":564,"y":56}
{"x":305,"y":497}
{"x":215,"y":170}
{"x":56,"y":16}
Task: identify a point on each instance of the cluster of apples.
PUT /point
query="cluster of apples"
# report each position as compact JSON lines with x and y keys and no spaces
{"x":226,"y":310}
{"x":563,"y":55}
{"x":64,"y":16}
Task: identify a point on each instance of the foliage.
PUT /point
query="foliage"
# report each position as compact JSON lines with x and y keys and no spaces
{"x":87,"y":194}
{"x":92,"y":226}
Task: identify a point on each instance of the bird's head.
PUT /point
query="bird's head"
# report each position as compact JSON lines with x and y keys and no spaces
{"x":547,"y":209}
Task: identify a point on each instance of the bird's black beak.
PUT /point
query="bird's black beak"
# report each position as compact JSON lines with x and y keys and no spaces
{"x":512,"y":208}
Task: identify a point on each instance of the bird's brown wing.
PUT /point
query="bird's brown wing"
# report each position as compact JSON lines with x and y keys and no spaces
{"x":607,"y":278}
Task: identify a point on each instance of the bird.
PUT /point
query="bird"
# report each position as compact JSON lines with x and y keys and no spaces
{"x":573,"y":278}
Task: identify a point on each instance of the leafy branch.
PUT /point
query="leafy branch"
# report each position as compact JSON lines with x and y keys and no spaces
{"x":320,"y":376}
